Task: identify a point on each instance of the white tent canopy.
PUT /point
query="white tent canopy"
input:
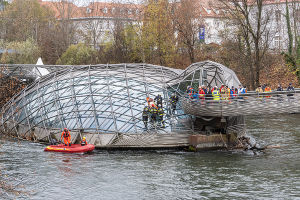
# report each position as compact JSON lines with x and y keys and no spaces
{"x":40,"y":71}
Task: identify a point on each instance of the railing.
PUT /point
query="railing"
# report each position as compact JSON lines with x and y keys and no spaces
{"x":251,"y":103}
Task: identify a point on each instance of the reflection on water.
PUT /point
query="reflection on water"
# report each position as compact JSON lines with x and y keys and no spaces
{"x":159,"y":174}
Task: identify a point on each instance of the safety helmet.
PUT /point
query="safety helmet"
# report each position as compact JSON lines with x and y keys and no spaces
{"x":83,"y":138}
{"x":65,"y":129}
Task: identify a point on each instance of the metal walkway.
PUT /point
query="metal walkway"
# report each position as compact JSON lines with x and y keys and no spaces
{"x":247,"y":104}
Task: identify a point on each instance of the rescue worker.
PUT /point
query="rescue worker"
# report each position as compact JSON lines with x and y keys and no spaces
{"x":160,"y":112}
{"x":201,"y":93}
{"x":232,"y":93}
{"x":67,"y":137}
{"x":279,"y":96}
{"x":158,"y":100}
{"x":83,"y":141}
{"x":227,"y":92}
{"x":194,"y":95}
{"x":279,"y":88}
{"x":151,"y":103}
{"x":208,"y":94}
{"x":189,"y":89}
{"x":268,"y":89}
{"x":223,"y":92}
{"x":216,"y":94}
{"x":145,"y":116}
{"x":241,"y":90}
{"x":153,"y":113}
{"x":259,"y":89}
{"x":173,"y":101}
{"x":290,"y":88}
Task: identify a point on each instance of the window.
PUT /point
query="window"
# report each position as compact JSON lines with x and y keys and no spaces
{"x":278,"y":15}
{"x":88,"y":10}
{"x":104,"y":10}
{"x":277,"y":41}
{"x":216,"y":23}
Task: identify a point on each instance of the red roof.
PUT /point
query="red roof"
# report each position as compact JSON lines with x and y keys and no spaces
{"x":66,"y":9}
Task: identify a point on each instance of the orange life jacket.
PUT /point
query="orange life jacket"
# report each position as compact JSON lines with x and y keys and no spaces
{"x":83,"y":142}
{"x":66,"y":134}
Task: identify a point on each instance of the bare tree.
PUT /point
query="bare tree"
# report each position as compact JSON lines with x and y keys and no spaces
{"x":92,"y":26}
{"x":187,"y":20}
{"x":66,"y":11}
{"x":252,"y":23}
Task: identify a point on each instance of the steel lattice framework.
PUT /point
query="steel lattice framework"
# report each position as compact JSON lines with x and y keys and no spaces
{"x":206,"y":73}
{"x":105,"y":103}
{"x":95,"y":98}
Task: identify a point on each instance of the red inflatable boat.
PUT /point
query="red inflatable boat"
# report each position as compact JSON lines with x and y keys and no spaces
{"x":74,"y":148}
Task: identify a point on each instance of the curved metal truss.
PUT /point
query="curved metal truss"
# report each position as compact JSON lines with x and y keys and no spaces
{"x":105,"y":103}
{"x":94,"y":99}
{"x":206,"y":73}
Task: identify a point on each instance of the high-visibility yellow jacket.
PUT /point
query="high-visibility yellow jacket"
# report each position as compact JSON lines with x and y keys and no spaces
{"x":216,"y":95}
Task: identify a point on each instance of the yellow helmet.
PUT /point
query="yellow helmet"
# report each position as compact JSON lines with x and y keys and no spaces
{"x":83,"y":138}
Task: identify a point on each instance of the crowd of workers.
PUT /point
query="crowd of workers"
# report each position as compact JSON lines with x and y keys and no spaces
{"x":227,"y":93}
{"x":154,"y":112}
{"x":222,"y":93}
{"x":266,"y":88}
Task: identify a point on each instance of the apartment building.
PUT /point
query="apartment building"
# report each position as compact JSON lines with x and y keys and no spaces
{"x":275,"y":12}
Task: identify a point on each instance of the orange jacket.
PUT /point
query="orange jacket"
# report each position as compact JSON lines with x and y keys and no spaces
{"x":83,"y":142}
{"x":65,"y":135}
{"x":268,"y":89}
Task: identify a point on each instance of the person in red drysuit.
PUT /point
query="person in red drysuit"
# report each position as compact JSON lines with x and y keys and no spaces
{"x":67,"y":137}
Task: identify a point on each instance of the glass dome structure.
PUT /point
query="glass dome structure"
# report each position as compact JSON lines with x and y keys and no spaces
{"x":96,"y":98}
{"x":108,"y":99}
{"x":206,"y":73}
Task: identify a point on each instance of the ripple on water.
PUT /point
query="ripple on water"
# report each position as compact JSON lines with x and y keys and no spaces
{"x":160,"y":174}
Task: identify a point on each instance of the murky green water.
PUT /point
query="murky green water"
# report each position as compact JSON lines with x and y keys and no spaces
{"x":27,"y":172}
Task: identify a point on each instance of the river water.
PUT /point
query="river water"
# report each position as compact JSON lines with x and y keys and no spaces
{"x":27,"y":172}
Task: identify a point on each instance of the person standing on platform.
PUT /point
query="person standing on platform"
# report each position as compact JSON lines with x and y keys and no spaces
{"x":158,"y":100}
{"x":202,"y":93}
{"x":153,"y":113}
{"x":290,"y":88}
{"x":232,"y":93}
{"x":267,"y":90}
{"x":223,"y":92}
{"x":241,"y":90}
{"x":145,"y":116}
{"x":160,"y":112}
{"x":173,"y":101}
{"x":259,"y":89}
{"x":279,"y":88}
{"x":216,"y":94}
{"x":66,"y":136}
